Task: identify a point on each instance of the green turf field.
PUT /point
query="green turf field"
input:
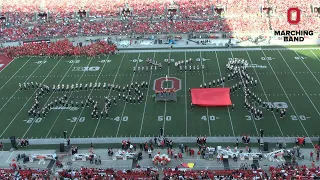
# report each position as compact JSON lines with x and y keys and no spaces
{"x":290,"y":78}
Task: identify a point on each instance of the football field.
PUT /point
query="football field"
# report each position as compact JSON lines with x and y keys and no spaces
{"x":286,"y":78}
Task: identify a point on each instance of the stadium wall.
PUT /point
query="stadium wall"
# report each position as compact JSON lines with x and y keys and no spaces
{"x":315,"y":40}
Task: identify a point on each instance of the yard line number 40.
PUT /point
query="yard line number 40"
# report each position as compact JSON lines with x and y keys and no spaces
{"x":211,"y":118}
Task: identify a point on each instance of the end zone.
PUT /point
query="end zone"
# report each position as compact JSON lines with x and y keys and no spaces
{"x":4,"y":61}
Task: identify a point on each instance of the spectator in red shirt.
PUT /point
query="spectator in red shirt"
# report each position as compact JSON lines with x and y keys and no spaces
{"x":311,"y":156}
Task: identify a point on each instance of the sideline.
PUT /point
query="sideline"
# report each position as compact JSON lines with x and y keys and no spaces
{"x":213,"y":49}
{"x":192,"y":139}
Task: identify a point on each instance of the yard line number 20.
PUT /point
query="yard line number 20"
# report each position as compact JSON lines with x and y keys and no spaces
{"x":33,"y":120}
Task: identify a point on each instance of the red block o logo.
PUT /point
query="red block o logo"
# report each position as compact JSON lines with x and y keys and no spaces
{"x":294,"y":20}
{"x":158,"y":84}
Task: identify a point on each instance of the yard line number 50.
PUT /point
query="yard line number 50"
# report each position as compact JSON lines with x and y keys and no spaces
{"x":166,"y":118}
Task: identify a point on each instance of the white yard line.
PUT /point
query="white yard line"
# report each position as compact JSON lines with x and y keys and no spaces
{"x":125,"y":104}
{"x":55,"y":121}
{"x":18,"y":88}
{"x":264,"y":92}
{"x":145,"y":104}
{"x":114,"y":80}
{"x":308,"y":67}
{"x":49,"y":97}
{"x":299,"y":83}
{"x":252,"y":117}
{"x":227,"y":106}
{"x":165,"y":103}
{"x":315,"y":55}
{"x":75,"y":125}
{"x":15,"y":72}
{"x":288,"y":98}
{"x":185,"y":93}
{"x":29,"y":97}
{"x":208,"y":119}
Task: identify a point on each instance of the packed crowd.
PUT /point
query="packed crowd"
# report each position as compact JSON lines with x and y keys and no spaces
{"x":109,"y":8}
{"x":281,"y":172}
{"x":215,"y":174}
{"x":17,"y":173}
{"x":64,"y":22}
{"x":286,"y":171}
{"x":93,"y":173}
{"x":59,"y":48}
{"x":112,"y":27}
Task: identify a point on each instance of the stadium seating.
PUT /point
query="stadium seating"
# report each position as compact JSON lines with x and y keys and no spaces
{"x":24,"y":174}
{"x":213,"y":174}
{"x":61,"y":48}
{"x":108,"y":173}
{"x":103,"y":17}
{"x":296,"y":172}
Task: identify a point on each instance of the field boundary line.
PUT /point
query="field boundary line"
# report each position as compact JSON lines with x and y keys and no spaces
{"x":75,"y":124}
{"x":299,"y":83}
{"x":114,"y":80}
{"x":203,"y":81}
{"x":223,"y":86}
{"x":213,"y":49}
{"x":30,"y":96}
{"x":189,"y":139}
{"x":50,"y":96}
{"x":264,"y":92}
{"x":145,"y":104}
{"x":55,"y":121}
{"x":287,"y":98}
{"x":15,"y":72}
{"x":125,"y":104}
{"x":185,"y":92}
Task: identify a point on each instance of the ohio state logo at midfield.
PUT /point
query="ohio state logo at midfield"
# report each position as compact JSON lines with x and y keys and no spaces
{"x":160,"y":83}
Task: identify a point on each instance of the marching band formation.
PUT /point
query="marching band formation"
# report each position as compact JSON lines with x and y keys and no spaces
{"x":238,"y":69}
{"x":183,"y":65}
{"x":131,"y":93}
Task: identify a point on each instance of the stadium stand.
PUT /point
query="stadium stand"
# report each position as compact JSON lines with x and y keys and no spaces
{"x":294,"y":172}
{"x":22,"y":21}
{"x":93,"y":173}
{"x":61,"y":48}
{"x":24,"y":174}
{"x":214,"y":174}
